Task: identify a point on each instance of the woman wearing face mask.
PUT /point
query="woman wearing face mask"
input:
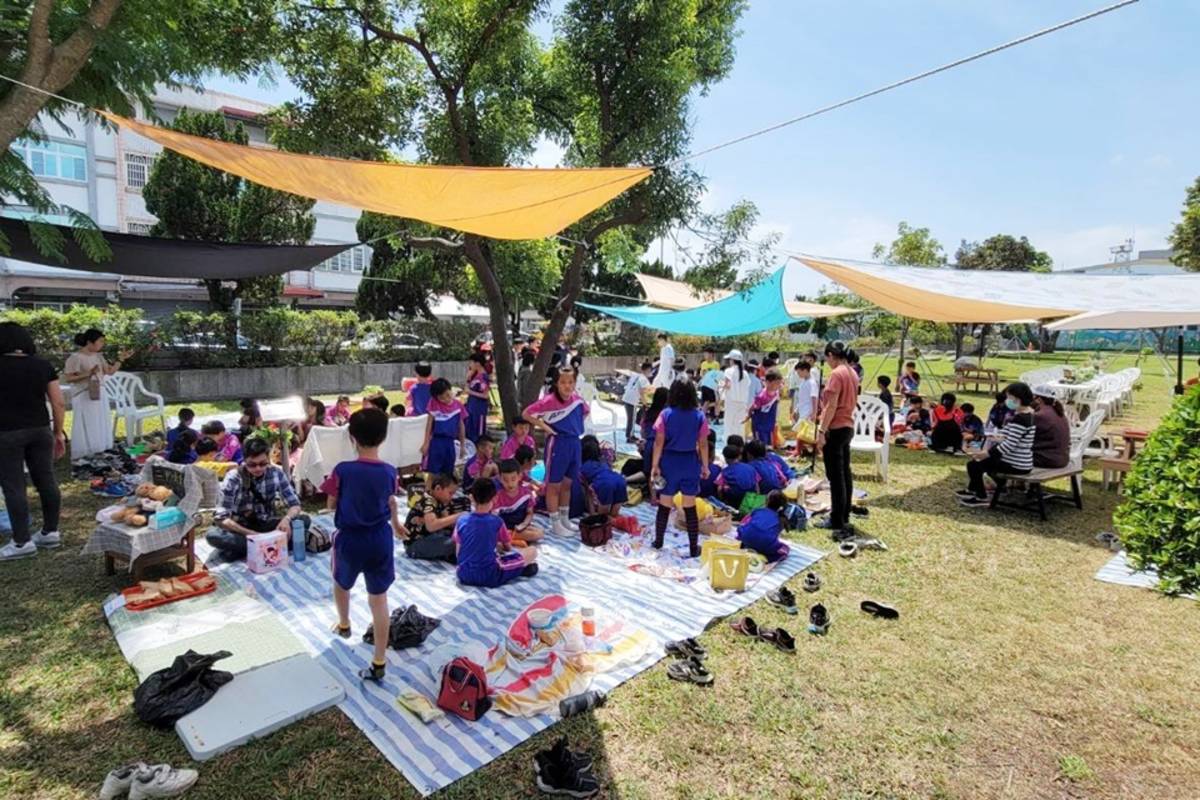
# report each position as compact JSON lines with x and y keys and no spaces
{"x":1013,"y":455}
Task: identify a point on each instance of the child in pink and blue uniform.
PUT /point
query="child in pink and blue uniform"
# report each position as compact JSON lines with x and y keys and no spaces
{"x":609,"y":486}
{"x":482,"y":465}
{"x":765,"y":409}
{"x":681,"y":458}
{"x":419,"y":393}
{"x":479,"y":387}
{"x":515,"y":501}
{"x":560,"y":414}
{"x":770,"y":476}
{"x":445,"y":426}
{"x":520,"y":436}
{"x":362,"y":545}
{"x":760,"y":530}
{"x":486,"y":556}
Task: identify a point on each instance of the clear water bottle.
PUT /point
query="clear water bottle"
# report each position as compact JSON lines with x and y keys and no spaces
{"x":298,"y":553}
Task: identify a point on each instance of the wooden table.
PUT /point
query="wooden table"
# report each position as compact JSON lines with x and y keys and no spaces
{"x":186,"y":549}
{"x":977,"y":375}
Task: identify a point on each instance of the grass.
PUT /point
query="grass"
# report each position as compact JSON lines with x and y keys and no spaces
{"x":1011,"y":674}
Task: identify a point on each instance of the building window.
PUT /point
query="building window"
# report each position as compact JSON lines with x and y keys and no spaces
{"x":137,"y":170}
{"x":53,"y":159}
{"x":139,"y":228}
{"x":354,"y":259}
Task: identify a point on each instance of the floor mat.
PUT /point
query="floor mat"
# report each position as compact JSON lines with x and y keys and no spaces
{"x":1118,"y":570}
{"x":434,"y":755}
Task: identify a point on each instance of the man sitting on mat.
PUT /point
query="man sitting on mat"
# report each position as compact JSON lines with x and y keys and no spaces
{"x":249,"y":498}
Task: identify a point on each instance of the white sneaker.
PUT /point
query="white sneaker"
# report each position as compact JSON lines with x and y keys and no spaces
{"x":558,"y":529}
{"x":573,"y":527}
{"x":13,"y":551}
{"x":48,"y":540}
{"x":117,"y":782}
{"x":161,"y":780}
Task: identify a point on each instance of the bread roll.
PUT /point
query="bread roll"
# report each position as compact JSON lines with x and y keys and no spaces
{"x":160,"y":493}
{"x":136,"y":520}
{"x":144,"y":489}
{"x":167,"y":587}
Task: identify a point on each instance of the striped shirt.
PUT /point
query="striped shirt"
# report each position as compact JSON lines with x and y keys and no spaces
{"x":1016,"y":448}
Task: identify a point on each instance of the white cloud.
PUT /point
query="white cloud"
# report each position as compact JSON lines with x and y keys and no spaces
{"x":546,"y":154}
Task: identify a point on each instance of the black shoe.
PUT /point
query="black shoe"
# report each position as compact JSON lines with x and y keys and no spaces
{"x":559,"y":773}
{"x":964,"y":493}
{"x":560,"y":753}
{"x":818,"y":620}
{"x":812,"y":582}
{"x":843,"y":534}
{"x":859,"y":511}
{"x":373,"y":673}
{"x":974,"y":501}
{"x":343,"y":632}
{"x":783,"y":598}
{"x":875,"y":608}
{"x":530,"y":570}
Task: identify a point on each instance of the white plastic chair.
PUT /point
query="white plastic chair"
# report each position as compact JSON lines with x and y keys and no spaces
{"x":870,"y":417}
{"x":124,"y":388}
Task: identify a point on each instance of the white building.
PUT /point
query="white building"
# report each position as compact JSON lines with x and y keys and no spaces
{"x":1148,"y":262}
{"x":101,"y":172}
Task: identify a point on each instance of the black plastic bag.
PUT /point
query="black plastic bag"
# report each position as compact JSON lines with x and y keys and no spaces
{"x":408,"y":628}
{"x":187,"y":684}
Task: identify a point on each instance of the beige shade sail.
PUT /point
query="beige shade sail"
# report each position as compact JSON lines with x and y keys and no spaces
{"x":500,"y":202}
{"x":1125,"y":320}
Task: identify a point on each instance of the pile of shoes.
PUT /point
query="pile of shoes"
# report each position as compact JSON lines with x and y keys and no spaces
{"x":561,"y":770}
{"x":689,"y":668}
{"x":142,"y":782}
{"x":104,"y":464}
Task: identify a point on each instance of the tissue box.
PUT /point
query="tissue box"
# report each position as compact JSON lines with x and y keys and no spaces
{"x":167,"y":517}
{"x":266,"y":552}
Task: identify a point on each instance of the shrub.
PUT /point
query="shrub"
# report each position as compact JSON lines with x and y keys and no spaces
{"x":1159,"y":522}
{"x":54,"y":331}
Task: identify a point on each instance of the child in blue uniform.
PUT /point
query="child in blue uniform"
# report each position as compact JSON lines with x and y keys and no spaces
{"x":769,"y":475}
{"x":737,"y":479}
{"x":419,"y":394}
{"x":482,"y":465}
{"x":479,"y":388}
{"x":520,"y":436}
{"x":765,"y":408}
{"x":447,"y":424}
{"x":515,"y":501}
{"x":708,"y":486}
{"x":486,"y":556}
{"x":363,"y":544}
{"x":607,"y":485}
{"x":681,"y":458}
{"x":560,"y":414}
{"x":785,"y":469}
{"x":760,"y":530}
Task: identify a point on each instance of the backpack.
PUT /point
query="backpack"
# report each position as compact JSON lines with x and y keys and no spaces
{"x":595,"y":530}
{"x":317,"y":540}
{"x":464,"y":689}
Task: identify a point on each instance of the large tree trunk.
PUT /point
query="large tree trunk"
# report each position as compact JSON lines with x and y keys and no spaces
{"x":506,"y":375}
{"x":572,"y":285}
{"x":960,"y":331}
{"x":1047,"y":339}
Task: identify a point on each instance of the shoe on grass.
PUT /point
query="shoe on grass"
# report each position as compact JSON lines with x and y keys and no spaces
{"x":818,"y":620}
{"x":561,"y":777}
{"x":847,"y":549}
{"x":964,"y":493}
{"x":161,"y":780}
{"x":686,"y":648}
{"x":690,"y":670}
{"x":117,"y":783}
{"x":46,"y":539}
{"x":783,"y":598}
{"x":561,"y":755}
{"x":859,"y":511}
{"x":812,"y":582}
{"x":843,"y":534}
{"x":12,"y":551}
{"x":974,"y":501}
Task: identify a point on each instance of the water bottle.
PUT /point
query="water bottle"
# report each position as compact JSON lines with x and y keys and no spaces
{"x":580,"y":703}
{"x":298,"y":553}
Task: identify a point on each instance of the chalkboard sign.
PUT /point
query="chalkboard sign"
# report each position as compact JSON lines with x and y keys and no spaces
{"x":163,"y":475}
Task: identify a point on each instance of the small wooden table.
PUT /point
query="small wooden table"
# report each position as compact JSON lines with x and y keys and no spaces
{"x":977,"y":376}
{"x":186,"y":549}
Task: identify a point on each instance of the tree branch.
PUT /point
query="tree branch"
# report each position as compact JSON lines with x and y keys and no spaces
{"x":439,"y":243}
{"x":485,"y":38}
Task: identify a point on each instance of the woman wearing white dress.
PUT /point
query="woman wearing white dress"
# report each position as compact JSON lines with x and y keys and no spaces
{"x":735,"y":387}
{"x":91,"y":418}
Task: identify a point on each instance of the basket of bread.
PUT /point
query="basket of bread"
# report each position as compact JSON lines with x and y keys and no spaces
{"x":148,"y":594}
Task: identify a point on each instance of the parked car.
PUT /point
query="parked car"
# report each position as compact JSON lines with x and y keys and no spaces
{"x":402,"y":341}
{"x":210,"y":341}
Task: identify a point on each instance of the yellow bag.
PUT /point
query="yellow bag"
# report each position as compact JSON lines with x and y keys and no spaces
{"x":806,"y":431}
{"x":704,"y":509}
{"x":729,"y":569}
{"x":714,"y":545}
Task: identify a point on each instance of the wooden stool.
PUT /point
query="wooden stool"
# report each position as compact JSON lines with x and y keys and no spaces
{"x":1114,"y":469}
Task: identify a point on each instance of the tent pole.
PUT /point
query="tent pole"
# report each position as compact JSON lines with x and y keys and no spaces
{"x":1179,"y":363}
{"x":900,"y":360}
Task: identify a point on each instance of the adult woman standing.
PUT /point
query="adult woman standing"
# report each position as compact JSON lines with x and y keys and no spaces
{"x":835,"y":429}
{"x":85,"y":371}
{"x":26,"y":440}
{"x":736,"y":388}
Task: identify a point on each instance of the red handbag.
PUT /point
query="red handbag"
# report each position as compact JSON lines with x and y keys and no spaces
{"x":464,"y":689}
{"x":595,"y":530}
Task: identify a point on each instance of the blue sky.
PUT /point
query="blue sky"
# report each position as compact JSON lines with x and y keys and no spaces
{"x":1078,"y":140}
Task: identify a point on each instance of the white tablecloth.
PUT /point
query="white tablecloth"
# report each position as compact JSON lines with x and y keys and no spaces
{"x":327,"y":447}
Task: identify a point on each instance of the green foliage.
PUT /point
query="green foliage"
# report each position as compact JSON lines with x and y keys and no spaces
{"x":53,"y":331}
{"x":1002,"y":252}
{"x":1185,"y":237}
{"x":728,"y":247}
{"x":912,"y":246}
{"x":1159,"y":522}
{"x":193,"y":201}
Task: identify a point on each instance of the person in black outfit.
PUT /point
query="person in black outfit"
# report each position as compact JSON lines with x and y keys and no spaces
{"x":27,"y":441}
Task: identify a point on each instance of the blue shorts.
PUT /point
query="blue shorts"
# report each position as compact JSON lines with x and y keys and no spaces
{"x":610,"y":489}
{"x":563,"y":458}
{"x":681,"y":473}
{"x":477,"y":411}
{"x":440,"y":458}
{"x":763,"y":432}
{"x":504,"y":570}
{"x":371,"y":555}
{"x":512,"y":519}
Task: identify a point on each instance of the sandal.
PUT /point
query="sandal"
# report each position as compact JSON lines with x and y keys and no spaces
{"x":847,"y":549}
{"x":690,"y":670}
{"x":745,"y":626}
{"x":686,"y":648}
{"x":875,"y":608}
{"x":780,"y":638}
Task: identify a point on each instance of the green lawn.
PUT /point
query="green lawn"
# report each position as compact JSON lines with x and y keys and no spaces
{"x":1011,"y":674}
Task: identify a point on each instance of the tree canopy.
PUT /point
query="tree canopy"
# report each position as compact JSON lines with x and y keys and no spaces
{"x":912,"y":246}
{"x":1002,"y":252}
{"x":1185,"y":238}
{"x":193,"y":201}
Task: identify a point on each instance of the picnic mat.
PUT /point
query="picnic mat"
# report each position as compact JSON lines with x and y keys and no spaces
{"x":1118,"y":570}
{"x":473,"y":621}
{"x":224,"y":619}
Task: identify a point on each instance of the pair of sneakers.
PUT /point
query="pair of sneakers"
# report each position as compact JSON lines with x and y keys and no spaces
{"x":563,"y":771}
{"x":46,"y":540}
{"x":561,"y":524}
{"x":143,"y":782}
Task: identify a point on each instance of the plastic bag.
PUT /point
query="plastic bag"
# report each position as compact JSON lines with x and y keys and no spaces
{"x":408,"y":628}
{"x":190,"y":682}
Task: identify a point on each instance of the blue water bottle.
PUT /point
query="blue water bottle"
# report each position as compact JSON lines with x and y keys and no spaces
{"x":298,"y":553}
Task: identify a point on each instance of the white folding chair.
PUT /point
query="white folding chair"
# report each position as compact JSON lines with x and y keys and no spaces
{"x":124,"y":388}
{"x":870,"y":416}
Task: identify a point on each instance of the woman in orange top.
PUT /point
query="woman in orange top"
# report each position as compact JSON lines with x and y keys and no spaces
{"x":835,"y":429}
